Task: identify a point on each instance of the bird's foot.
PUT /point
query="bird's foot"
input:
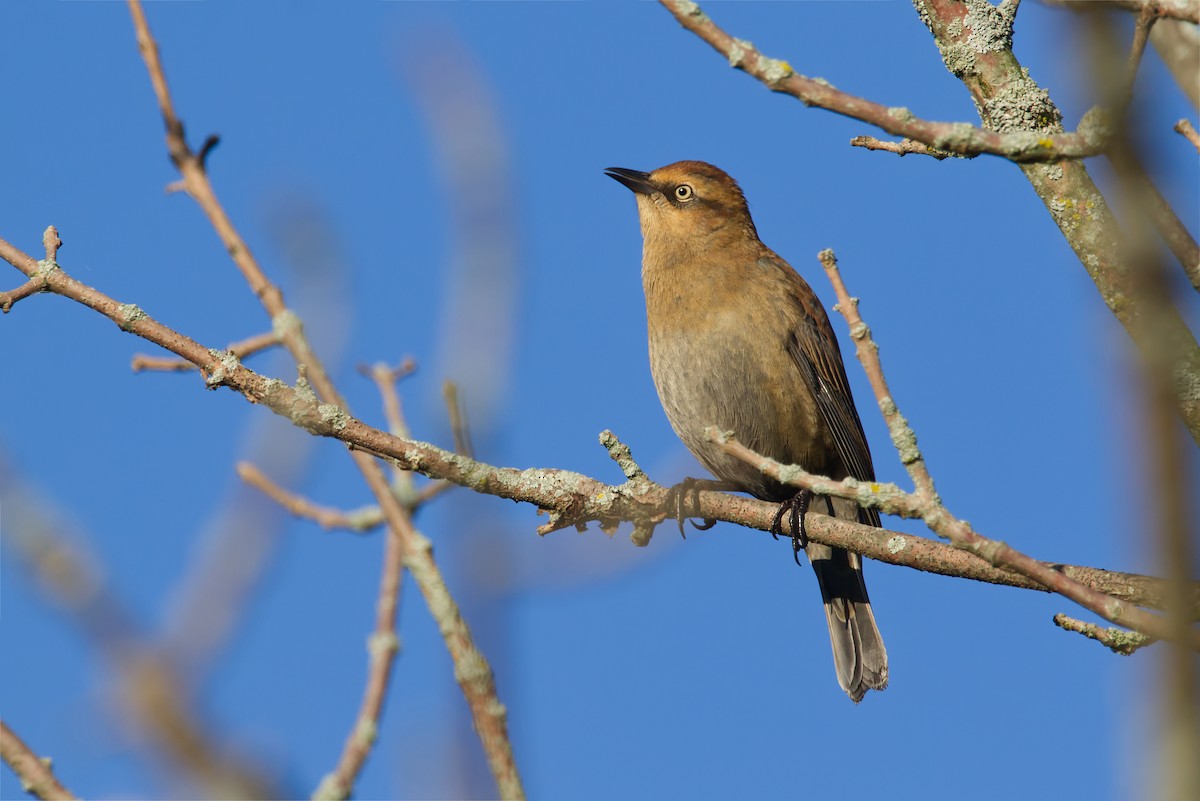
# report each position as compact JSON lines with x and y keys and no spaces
{"x":678,"y":497}
{"x":798,"y":507}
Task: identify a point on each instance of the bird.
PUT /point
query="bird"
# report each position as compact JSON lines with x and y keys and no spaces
{"x":738,"y":340}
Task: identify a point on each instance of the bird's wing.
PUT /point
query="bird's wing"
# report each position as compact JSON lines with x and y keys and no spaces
{"x":814,"y":348}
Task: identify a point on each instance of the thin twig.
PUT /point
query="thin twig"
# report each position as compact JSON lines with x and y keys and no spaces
{"x":241,"y":349}
{"x":37,"y":278}
{"x":326,"y":517}
{"x":1141,"y":34}
{"x":37,"y":777}
{"x":904,"y":147}
{"x":385,"y":379}
{"x":1189,"y":133}
{"x":458,"y":420}
{"x":890,"y":499}
{"x":1119,"y":641}
{"x":1150,"y":201}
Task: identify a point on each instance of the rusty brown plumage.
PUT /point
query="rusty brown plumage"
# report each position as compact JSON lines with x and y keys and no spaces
{"x":738,"y":340}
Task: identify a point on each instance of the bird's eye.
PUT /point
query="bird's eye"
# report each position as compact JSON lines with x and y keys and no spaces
{"x":684,"y":192}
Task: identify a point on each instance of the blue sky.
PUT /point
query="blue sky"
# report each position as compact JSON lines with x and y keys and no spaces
{"x":696,"y":669}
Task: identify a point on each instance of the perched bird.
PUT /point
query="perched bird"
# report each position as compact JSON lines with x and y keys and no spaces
{"x":738,"y":340}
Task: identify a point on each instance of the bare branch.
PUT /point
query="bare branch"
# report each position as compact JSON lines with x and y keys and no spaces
{"x":1119,"y":641}
{"x":385,"y":379}
{"x":458,"y":420}
{"x":955,"y":137}
{"x":904,"y":147}
{"x":1189,"y":133}
{"x":977,"y":49}
{"x":1141,"y":34}
{"x":151,"y":691}
{"x":573,"y":499}
{"x":890,"y":499}
{"x":1162,"y":216}
{"x":326,"y":517}
{"x":37,"y":777}
{"x":241,"y":349}
{"x":37,"y":277}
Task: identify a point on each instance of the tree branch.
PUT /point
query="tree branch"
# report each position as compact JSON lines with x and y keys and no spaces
{"x":37,"y":778}
{"x":977,"y":49}
{"x":1186,"y":10}
{"x":1185,"y":128}
{"x":151,"y":692}
{"x":1116,"y":640}
{"x":960,"y":138}
{"x":570,"y":498}
{"x":243,"y":348}
{"x":904,"y":147}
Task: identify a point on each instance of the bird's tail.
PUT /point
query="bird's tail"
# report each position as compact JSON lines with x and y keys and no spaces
{"x":858,"y":652}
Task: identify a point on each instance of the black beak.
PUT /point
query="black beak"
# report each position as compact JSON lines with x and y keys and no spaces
{"x":637,"y":181}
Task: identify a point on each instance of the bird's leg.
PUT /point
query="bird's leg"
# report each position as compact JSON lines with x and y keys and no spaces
{"x":677,"y":498}
{"x":798,"y":506}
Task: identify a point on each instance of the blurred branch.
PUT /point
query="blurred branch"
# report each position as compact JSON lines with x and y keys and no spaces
{"x":368,"y":517}
{"x":1119,"y":641}
{"x":458,"y":420}
{"x":571,"y":498}
{"x":1141,"y":34}
{"x":326,"y":517}
{"x":1178,"y":45}
{"x":241,"y":349}
{"x":1186,"y":10}
{"x":149,"y":689}
{"x":956,"y":137}
{"x":237,"y":542}
{"x":1171,"y":517}
{"x":1150,"y":202}
{"x":37,"y":777}
{"x":385,"y":379}
{"x":404,"y":545}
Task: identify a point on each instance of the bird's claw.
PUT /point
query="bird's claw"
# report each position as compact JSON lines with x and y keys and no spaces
{"x":797,"y":506}
{"x":677,"y":497}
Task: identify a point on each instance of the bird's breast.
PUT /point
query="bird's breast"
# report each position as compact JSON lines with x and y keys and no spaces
{"x":728,"y":366}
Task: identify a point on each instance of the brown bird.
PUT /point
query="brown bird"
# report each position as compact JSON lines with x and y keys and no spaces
{"x":738,"y":340}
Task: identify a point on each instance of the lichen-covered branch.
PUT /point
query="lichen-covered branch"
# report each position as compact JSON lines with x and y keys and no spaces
{"x":975,"y":40}
{"x":571,"y":499}
{"x":960,"y":138}
{"x":1119,"y":641}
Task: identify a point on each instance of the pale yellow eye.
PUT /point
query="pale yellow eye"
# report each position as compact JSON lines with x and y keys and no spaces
{"x":684,"y":192}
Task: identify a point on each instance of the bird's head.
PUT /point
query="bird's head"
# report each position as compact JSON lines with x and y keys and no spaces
{"x":688,"y":206}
